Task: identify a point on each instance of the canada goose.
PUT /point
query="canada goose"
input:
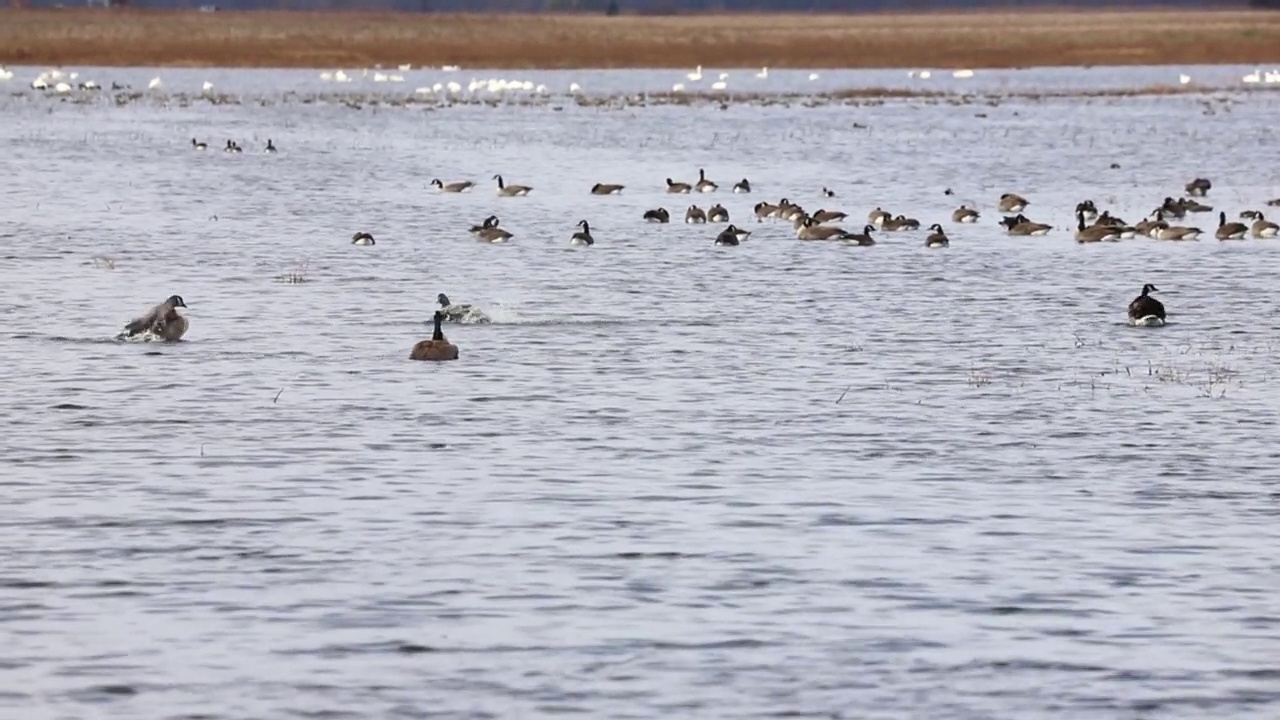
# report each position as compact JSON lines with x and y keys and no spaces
{"x":658,"y":215}
{"x":493,"y":234}
{"x":877,"y":217}
{"x":695,"y":214}
{"x":1013,"y":203}
{"x":1146,"y":310}
{"x":162,"y":322}
{"x":602,"y":189}
{"x":678,"y":187}
{"x":453,"y":187}
{"x":824,"y":216}
{"x":460,"y":313}
{"x":789,"y":211}
{"x":1025,"y":228}
{"x":809,"y":230}
{"x":727,"y":237}
{"x":1094,"y":233}
{"x":232,"y":147}
{"x":1088,"y":209}
{"x":1264,"y":228}
{"x":270,"y":148}
{"x":437,"y":348}
{"x":1173,"y":208}
{"x":828,"y":193}
{"x":1229,"y":231}
{"x":199,"y":145}
{"x":1198,"y":187}
{"x":1195,"y":207}
{"x":937,"y":238}
{"x":1274,"y":203}
{"x":1106,"y":218}
{"x":1250,"y":215}
{"x":764,"y":210}
{"x":489,"y":222}
{"x":717,"y":214}
{"x":505,"y":190}
{"x":863,"y":238}
{"x":705,"y":185}
{"x":742,"y":186}
{"x":964,"y":214}
{"x":1165,"y":231}
{"x":583,"y":236}
{"x":362,"y":238}
{"x":900,"y":222}
{"x":738,"y":232}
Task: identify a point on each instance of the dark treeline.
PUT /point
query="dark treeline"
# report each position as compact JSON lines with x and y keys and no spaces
{"x":658,"y":7}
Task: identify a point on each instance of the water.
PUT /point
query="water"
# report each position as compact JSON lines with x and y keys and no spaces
{"x":670,"y":480}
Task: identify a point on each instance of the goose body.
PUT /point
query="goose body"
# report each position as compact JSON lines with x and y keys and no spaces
{"x":825,"y":216}
{"x":678,"y":187}
{"x":717,"y":214}
{"x":489,"y":222}
{"x":899,"y":223}
{"x":1025,"y":228}
{"x":1264,"y":228}
{"x":198,"y":145}
{"x":1012,"y":203}
{"x":1229,"y":231}
{"x":161,"y":323}
{"x":1146,"y":310}
{"x":603,"y":189}
{"x":438,"y":348}
{"x":464,"y":314}
{"x":764,"y":210}
{"x":494,"y":235}
{"x":1198,"y":187}
{"x":232,"y":147}
{"x":738,"y":232}
{"x":505,"y":190}
{"x":657,"y":215}
{"x":583,"y":236}
{"x":270,"y":148}
{"x":695,"y":214}
{"x":877,"y":217}
{"x":809,"y":230}
{"x":1094,"y":233}
{"x":863,"y":238}
{"x":742,"y":186}
{"x":362,"y":238}
{"x":964,"y":214}
{"x":1088,"y":210}
{"x":937,"y":238}
{"x":453,"y":187}
{"x":704,"y":185}
{"x":1165,"y":231}
{"x":727,"y":237}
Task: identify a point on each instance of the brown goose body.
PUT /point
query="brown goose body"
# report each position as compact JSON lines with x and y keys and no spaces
{"x":162,"y":321}
{"x":438,"y":348}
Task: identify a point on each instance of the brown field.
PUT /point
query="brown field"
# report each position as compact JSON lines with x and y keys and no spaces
{"x":337,"y":39}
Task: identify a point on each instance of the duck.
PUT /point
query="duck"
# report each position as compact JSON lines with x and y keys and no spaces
{"x":1088,"y":209}
{"x":1199,"y":187}
{"x":232,"y":147}
{"x":657,"y":215}
{"x":863,"y":238}
{"x":198,"y":145}
{"x":270,"y":148}
{"x":900,"y":222}
{"x":877,"y":217}
{"x":695,"y":214}
{"x":1026,"y":228}
{"x":362,"y":238}
{"x":460,"y":313}
{"x":1263,"y":228}
{"x":453,"y":187}
{"x":160,"y":323}
{"x":583,"y":236}
{"x":937,"y":238}
{"x":964,"y":214}
{"x":489,"y":222}
{"x":1093,"y":233}
{"x":827,"y":193}
{"x":1229,"y":231}
{"x":825,"y":216}
{"x":742,"y":186}
{"x":727,"y":237}
{"x":678,"y":187}
{"x":704,"y":185}
{"x":1013,"y":203}
{"x":505,"y":190}
{"x":717,"y":214}
{"x":1146,"y":310}
{"x":438,"y":348}
{"x":604,"y":189}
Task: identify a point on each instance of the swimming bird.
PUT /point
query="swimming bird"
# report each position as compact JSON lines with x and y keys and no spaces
{"x":877,"y":217}
{"x":1093,"y":233}
{"x":657,"y":215}
{"x":1195,"y":207}
{"x":232,"y":147}
{"x":705,"y":185}
{"x":493,"y":234}
{"x":603,"y":189}
{"x":505,"y":190}
{"x":863,"y":238}
{"x":965,"y":214}
{"x":362,"y":238}
{"x":162,"y":322}
{"x":738,"y":232}
{"x":199,"y":145}
{"x":1164,"y":231}
{"x":678,"y":187}
{"x":583,"y":236}
{"x":727,"y":237}
{"x":1229,"y":231}
{"x":438,"y":348}
{"x":489,"y":222}
{"x":1012,"y":203}
{"x":828,"y":193}
{"x":1274,"y":203}
{"x":826,"y":216}
{"x":764,"y":210}
{"x":1199,"y":187}
{"x":742,"y":186}
{"x":1264,"y":228}
{"x":1088,"y":209}
{"x":460,"y":313}
{"x":1146,"y":310}
{"x":900,"y":222}
{"x":270,"y":148}
{"x":453,"y":187}
{"x":695,"y":214}
{"x":1250,"y":215}
{"x":809,"y":230}
{"x":1026,"y":228}
{"x":717,"y":214}
{"x":937,"y":238}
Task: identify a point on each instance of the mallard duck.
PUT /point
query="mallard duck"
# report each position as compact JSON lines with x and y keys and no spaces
{"x":438,"y":348}
{"x":362,"y":238}
{"x":464,"y":314}
{"x":657,"y":215}
{"x":1146,"y":310}
{"x":161,"y":323}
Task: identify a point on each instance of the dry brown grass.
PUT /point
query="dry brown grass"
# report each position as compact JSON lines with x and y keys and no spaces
{"x":977,"y":40}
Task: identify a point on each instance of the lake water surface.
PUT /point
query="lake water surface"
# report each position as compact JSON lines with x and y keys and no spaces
{"x":669,"y":480}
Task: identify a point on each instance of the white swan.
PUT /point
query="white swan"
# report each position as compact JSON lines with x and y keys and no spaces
{"x":696,"y":74}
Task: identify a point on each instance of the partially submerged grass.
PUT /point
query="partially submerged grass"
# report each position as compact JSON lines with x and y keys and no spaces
{"x":357,"y":39}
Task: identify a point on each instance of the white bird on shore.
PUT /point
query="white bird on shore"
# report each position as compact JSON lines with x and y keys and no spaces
{"x":1253,"y":77}
{"x":696,"y":74}
{"x":962,"y":74}
{"x":813,"y":76}
{"x":719,"y":85}
{"x":155,"y":83}
{"x":1183,"y":79}
{"x":764,"y":73}
{"x":207,"y":86}
{"x":574,"y":88}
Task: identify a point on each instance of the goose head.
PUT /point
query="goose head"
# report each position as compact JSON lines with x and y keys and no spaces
{"x":443,"y":300}
{"x":175,"y":301}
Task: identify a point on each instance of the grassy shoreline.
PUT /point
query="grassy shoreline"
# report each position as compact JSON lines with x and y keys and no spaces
{"x":121,"y":38}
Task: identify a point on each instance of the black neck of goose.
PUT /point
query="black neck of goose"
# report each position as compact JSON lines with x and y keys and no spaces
{"x":438,"y":334}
